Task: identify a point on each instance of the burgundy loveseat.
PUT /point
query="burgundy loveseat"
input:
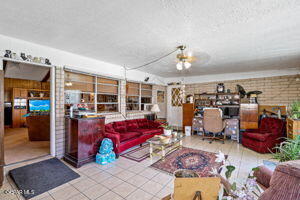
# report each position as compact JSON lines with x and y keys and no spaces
{"x":264,"y":139}
{"x":129,"y":133}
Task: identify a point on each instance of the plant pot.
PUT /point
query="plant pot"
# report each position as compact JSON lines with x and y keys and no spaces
{"x":185,"y":173}
{"x":167,"y":132}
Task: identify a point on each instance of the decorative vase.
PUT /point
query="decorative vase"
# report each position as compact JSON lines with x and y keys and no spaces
{"x":23,"y":56}
{"x":167,"y":132}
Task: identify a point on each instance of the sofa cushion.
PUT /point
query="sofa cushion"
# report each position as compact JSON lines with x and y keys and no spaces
{"x":132,"y":125}
{"x":272,"y":125}
{"x":109,"y":127}
{"x":257,"y":136}
{"x":129,"y":135}
{"x":120,"y":127}
{"x":143,"y":123}
{"x":146,"y":131}
{"x":291,"y":168}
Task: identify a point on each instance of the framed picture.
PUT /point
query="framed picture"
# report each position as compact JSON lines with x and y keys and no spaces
{"x":160,"y":96}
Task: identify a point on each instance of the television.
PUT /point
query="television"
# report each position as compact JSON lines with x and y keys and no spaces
{"x":39,"y":105}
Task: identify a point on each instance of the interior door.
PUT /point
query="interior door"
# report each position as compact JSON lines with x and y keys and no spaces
{"x":175,"y":95}
{"x":162,"y":103}
{"x":1,"y":127}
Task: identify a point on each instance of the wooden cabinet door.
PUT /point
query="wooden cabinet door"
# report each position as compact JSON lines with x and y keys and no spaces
{"x":16,"y":92}
{"x":249,"y":116}
{"x":16,"y":118}
{"x":187,"y":115}
{"x":23,"y":119}
{"x":23,"y":93}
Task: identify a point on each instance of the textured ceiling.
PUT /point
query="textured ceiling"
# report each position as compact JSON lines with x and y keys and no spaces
{"x":225,"y":36}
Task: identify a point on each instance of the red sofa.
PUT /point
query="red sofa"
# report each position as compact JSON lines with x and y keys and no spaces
{"x":129,"y":133}
{"x":264,"y":139}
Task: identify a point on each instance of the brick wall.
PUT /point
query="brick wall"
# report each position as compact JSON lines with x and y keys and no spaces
{"x":59,"y":112}
{"x":279,"y":90}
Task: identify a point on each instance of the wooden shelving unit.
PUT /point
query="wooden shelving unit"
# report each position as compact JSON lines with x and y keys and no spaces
{"x":218,"y":100}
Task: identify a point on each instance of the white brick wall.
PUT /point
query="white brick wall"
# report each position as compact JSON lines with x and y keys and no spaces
{"x":59,"y":113}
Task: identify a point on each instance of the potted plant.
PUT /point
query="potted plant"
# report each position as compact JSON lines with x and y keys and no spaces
{"x":295,"y":110}
{"x":288,"y":150}
{"x":167,"y":130}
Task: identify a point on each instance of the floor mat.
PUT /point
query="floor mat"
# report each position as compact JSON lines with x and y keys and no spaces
{"x":40,"y":177}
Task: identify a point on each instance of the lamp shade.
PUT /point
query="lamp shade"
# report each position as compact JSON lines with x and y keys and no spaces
{"x":155,"y":108}
{"x":187,"y":64}
{"x":179,"y":65}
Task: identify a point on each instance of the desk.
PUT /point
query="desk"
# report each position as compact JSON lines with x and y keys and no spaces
{"x":231,"y":127}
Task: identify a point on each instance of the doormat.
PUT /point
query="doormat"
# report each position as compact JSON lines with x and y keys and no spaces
{"x":40,"y":177}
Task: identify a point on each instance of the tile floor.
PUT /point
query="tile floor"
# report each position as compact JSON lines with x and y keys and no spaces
{"x":126,"y":179}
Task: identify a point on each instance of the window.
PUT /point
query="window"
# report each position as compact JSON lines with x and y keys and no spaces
{"x":146,"y":95}
{"x":160,"y":96}
{"x":132,"y":96}
{"x":79,"y":89}
{"x":91,"y":93}
{"x":177,"y":97}
{"x":137,"y":96}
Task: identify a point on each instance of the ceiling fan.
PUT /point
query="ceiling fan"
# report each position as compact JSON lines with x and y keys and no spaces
{"x":184,"y":59}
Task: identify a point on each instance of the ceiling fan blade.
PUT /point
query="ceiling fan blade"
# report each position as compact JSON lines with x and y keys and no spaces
{"x":191,"y":59}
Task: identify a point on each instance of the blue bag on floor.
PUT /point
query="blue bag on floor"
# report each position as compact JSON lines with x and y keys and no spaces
{"x":105,"y":154}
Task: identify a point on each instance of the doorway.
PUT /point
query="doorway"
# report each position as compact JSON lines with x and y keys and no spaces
{"x":175,"y":98}
{"x":27,"y":108}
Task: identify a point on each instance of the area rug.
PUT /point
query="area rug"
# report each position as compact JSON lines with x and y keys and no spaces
{"x":40,"y":177}
{"x":138,"y":154}
{"x":199,"y":161}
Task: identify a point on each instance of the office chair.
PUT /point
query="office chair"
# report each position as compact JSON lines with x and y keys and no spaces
{"x":213,"y":123}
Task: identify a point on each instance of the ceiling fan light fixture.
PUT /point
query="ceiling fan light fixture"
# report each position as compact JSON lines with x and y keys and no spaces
{"x":179,"y":65}
{"x":187,"y":65}
{"x":69,"y":83}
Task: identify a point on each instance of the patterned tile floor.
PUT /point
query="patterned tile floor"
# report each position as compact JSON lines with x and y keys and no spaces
{"x":126,"y":179}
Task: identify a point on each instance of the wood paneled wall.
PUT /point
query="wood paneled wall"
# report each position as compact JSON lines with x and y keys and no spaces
{"x":1,"y":127}
{"x":10,"y":83}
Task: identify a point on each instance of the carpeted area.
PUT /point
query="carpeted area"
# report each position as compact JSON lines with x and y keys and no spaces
{"x":37,"y":178}
{"x":187,"y":158}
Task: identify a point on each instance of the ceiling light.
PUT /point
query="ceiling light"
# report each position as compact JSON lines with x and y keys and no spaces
{"x":185,"y":59}
{"x":69,"y":83}
{"x":179,"y":65}
{"x":187,"y":64}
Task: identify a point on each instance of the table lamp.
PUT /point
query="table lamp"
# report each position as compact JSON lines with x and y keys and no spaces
{"x":155,"y":109}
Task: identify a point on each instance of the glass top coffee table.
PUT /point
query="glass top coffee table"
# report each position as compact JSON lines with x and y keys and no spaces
{"x":163,"y":145}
